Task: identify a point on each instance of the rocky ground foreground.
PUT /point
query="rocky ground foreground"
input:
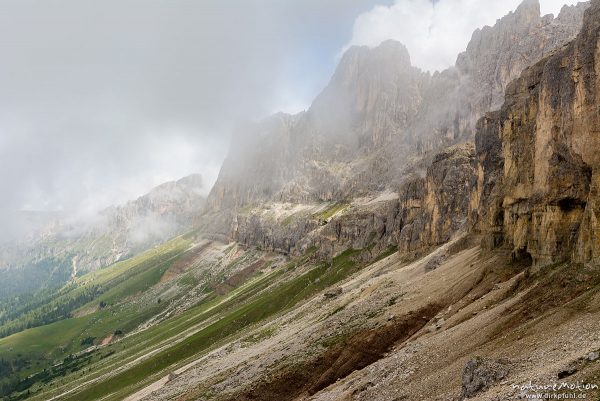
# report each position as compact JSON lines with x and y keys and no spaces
{"x":458,"y":323}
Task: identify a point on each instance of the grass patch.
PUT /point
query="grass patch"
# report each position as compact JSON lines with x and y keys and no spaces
{"x":288,"y":220}
{"x":334,"y":340}
{"x":331,"y":211}
{"x":260,"y":336}
{"x":66,"y":336}
{"x":337,"y":310}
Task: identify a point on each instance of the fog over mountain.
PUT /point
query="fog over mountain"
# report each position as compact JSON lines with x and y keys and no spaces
{"x":326,"y":200}
{"x":102,"y":101}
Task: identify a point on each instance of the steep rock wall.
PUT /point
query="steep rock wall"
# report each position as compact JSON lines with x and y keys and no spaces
{"x":379,"y":115}
{"x":538,"y":157}
{"x":425,"y":212}
{"x":436,"y":208}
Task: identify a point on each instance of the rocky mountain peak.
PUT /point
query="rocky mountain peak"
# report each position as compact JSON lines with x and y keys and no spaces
{"x":374,"y":93}
{"x":489,"y":40}
{"x":192,"y":181}
{"x":497,"y":55}
{"x":568,"y":13}
{"x":363,"y":71}
{"x":526,"y":11}
{"x":378,"y":111}
{"x":512,"y":25}
{"x":357,"y":61}
{"x":85,"y":244}
{"x":191,"y":185}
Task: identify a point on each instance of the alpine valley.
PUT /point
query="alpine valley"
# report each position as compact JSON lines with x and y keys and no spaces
{"x":410,"y":236}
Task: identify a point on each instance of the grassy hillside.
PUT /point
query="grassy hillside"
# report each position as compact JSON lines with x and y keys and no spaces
{"x":60,"y":334}
{"x":69,"y":357}
{"x":233,"y":316}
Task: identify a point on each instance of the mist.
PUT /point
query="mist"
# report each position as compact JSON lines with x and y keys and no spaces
{"x":102,"y":101}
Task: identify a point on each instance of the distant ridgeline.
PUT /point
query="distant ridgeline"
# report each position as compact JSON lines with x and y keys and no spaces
{"x":62,"y":247}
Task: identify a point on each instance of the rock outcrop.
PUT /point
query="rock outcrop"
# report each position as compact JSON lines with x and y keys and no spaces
{"x":538,"y":157}
{"x":371,"y":225}
{"x":480,"y":374}
{"x":378,"y":127}
{"x":436,"y":208}
{"x":428,"y":212}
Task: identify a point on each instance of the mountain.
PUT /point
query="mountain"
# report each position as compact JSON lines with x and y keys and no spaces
{"x":59,"y":247}
{"x":373,"y":145}
{"x":379,"y":116}
{"x":473,"y":273}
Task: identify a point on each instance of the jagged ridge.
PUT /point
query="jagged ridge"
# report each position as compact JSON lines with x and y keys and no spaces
{"x":379,"y":116}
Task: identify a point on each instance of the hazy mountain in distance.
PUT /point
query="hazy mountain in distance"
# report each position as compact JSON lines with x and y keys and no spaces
{"x":59,"y":246}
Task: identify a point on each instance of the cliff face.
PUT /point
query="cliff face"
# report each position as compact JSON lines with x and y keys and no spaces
{"x":337,"y":147}
{"x":425,"y":212}
{"x":371,"y":100}
{"x":328,"y":228}
{"x":264,"y":166}
{"x":436,"y":208}
{"x":378,"y":127}
{"x":538,"y":156}
{"x":495,"y":56}
{"x":380,"y":116}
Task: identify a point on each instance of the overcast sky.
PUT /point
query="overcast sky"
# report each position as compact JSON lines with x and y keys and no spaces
{"x":102,"y":100}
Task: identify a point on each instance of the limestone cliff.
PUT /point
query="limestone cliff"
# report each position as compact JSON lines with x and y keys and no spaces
{"x":379,"y":117}
{"x":433,"y":214}
{"x":538,"y":156}
{"x":425,"y":212}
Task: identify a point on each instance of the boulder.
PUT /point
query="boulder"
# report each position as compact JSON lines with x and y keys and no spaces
{"x":480,"y":374}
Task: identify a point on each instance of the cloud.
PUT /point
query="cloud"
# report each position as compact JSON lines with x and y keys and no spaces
{"x":102,"y":100}
{"x":434,"y":31}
